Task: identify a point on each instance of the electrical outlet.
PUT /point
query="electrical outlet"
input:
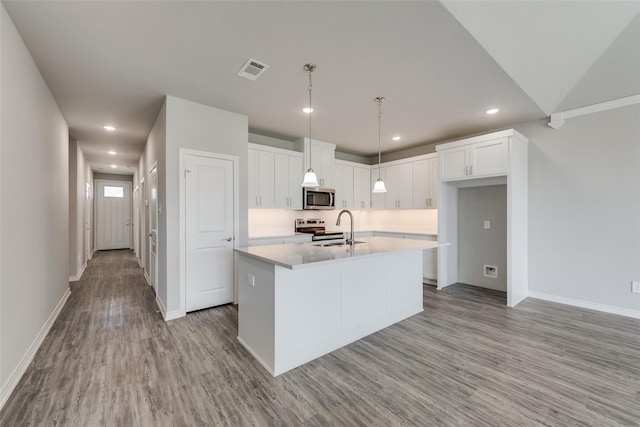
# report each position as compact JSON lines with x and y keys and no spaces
{"x":635,"y":287}
{"x":487,"y":225}
{"x":251,"y":280}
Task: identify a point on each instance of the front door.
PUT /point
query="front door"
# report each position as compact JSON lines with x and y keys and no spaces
{"x":113,"y":215}
{"x":153,"y":229}
{"x":209,"y":231}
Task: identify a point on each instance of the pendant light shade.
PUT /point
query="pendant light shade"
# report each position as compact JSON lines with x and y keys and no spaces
{"x":310,"y":178}
{"x":379,"y":186}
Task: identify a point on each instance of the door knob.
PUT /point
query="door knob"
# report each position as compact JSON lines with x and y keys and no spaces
{"x":228,"y":239}
{"x":150,"y":234}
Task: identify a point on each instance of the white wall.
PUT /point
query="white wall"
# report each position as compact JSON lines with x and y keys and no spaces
{"x":35,"y":204}
{"x":478,"y":246}
{"x":79,"y":171}
{"x":280,"y":222}
{"x":584,"y":208}
{"x":197,"y":127}
{"x":153,"y":154}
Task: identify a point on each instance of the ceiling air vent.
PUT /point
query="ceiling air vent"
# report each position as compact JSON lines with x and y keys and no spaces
{"x":252,"y":69}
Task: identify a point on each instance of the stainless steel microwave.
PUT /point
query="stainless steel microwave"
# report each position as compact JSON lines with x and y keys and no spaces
{"x":314,"y":198}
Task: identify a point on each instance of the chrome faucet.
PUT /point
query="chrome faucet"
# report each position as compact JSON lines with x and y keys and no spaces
{"x":350,"y":240}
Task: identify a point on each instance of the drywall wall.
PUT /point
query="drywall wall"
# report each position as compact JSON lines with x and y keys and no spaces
{"x":584,"y":208}
{"x":113,"y":177}
{"x":152,"y":156}
{"x":74,"y":268}
{"x":478,"y":246}
{"x":35,"y":205}
{"x":79,"y":229}
{"x":197,"y":127}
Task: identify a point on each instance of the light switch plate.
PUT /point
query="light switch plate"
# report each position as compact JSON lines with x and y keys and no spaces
{"x":251,"y":280}
{"x":635,"y":287}
{"x":487,"y":225}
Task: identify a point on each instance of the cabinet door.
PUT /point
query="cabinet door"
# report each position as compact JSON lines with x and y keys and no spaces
{"x":391,"y":177}
{"x":254,"y":191}
{"x":404,"y":185}
{"x":295,"y":182}
{"x":281,"y":181}
{"x":378,"y":200}
{"x":339,"y":172}
{"x":322,"y":164}
{"x":266,"y":183}
{"x":453,"y":163}
{"x":421,"y":181}
{"x":347,"y":186}
{"x":430,"y":264}
{"x":488,"y":158}
{"x":361,"y":188}
{"x":434,"y":183}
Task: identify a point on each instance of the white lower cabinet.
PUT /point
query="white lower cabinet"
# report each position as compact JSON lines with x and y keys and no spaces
{"x":429,"y":257}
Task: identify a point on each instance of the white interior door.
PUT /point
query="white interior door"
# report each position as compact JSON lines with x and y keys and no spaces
{"x":153,"y":229}
{"x":113,"y":215}
{"x":209,"y":231}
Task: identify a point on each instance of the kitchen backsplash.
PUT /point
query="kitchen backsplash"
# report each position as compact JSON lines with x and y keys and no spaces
{"x":279,"y":222}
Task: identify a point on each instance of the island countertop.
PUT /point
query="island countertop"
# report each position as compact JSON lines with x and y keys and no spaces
{"x":300,"y":255}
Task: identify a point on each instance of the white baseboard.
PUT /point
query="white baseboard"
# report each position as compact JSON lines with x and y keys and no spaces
{"x":79,"y":275}
{"x":140,"y":263}
{"x":146,"y":277}
{"x":255,"y":356}
{"x":168,"y":315}
{"x":13,"y":380}
{"x":586,"y":304}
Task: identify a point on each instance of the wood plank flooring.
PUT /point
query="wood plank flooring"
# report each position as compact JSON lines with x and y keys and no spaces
{"x":110,"y":360}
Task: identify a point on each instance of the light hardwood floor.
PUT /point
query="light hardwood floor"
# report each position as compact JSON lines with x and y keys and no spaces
{"x":466,"y":360}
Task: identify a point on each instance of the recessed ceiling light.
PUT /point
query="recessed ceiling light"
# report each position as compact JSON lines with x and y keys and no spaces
{"x":307,"y":110}
{"x":113,"y":153}
{"x":396,"y":138}
{"x":492,"y":111}
{"x":109,"y":128}
{"x":114,"y":166}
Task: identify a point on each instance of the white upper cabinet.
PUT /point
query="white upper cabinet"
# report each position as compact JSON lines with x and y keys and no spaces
{"x":351,"y":182}
{"x":399,"y":183}
{"x":473,"y":158}
{"x":361,"y":187}
{"x":343,"y":184}
{"x":261,"y":179}
{"x":322,"y":157}
{"x":425,"y":182}
{"x":275,"y":178}
{"x":288,"y":180}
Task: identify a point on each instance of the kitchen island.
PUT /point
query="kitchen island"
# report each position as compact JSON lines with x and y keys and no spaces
{"x":297,"y":302}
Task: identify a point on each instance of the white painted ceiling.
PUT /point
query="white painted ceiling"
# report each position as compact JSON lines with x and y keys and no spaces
{"x":439,"y":66}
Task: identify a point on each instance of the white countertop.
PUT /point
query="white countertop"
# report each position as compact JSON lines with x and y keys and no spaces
{"x":299,"y":255}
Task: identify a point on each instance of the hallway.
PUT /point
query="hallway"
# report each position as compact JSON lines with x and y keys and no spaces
{"x":110,"y":360}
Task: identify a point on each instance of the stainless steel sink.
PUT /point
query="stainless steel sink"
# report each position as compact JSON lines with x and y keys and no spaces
{"x":341,"y":243}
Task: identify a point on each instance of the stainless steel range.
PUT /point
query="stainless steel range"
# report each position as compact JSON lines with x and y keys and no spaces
{"x":317,"y":228}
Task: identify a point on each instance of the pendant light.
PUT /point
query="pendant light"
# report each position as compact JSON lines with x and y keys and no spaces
{"x":379,"y":187}
{"x":310,"y":178}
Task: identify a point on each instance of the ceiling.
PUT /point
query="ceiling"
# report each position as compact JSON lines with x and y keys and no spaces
{"x":439,"y":65}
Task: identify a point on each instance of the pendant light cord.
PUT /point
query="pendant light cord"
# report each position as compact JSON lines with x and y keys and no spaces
{"x":379,"y":101}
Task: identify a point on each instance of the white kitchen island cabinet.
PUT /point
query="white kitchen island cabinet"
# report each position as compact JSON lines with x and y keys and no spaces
{"x":297,"y":302}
